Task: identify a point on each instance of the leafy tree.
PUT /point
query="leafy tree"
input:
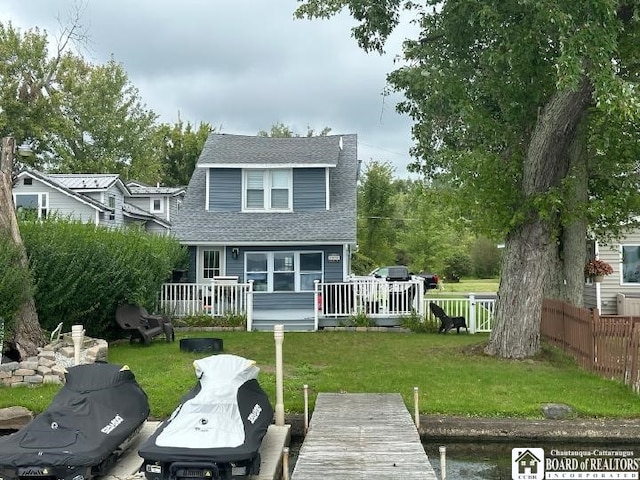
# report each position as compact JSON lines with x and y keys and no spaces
{"x":376,"y":224}
{"x":179,"y":147}
{"x":105,"y":128}
{"x":523,"y":106}
{"x":280,"y":130}
{"x":485,"y":257}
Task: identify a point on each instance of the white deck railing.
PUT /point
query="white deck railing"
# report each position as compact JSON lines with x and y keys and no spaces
{"x":211,"y":298}
{"x":371,"y":297}
{"x":478,"y":310}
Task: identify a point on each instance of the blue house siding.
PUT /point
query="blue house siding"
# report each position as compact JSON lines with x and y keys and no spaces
{"x":309,"y":189}
{"x":225,"y":194}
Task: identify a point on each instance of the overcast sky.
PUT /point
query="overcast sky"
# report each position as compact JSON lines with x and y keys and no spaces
{"x":240,"y":65}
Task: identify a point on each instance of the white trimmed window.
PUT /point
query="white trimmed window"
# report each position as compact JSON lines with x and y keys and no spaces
{"x":283,"y":271}
{"x":157,"y":205}
{"x":630,"y":265}
{"x":267,"y":190}
{"x":32,"y":204}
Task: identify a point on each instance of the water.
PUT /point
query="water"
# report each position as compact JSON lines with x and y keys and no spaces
{"x":482,"y":460}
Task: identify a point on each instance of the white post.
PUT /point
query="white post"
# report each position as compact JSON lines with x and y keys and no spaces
{"x":443,"y":463}
{"x":306,"y":408}
{"x":416,"y":408}
{"x":285,"y":463}
{"x":278,"y":335}
{"x":77,"y":335}
{"x":316,"y":305}
{"x":250,"y":306}
{"x":472,"y":312}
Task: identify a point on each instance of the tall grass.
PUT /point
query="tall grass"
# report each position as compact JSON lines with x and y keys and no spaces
{"x":454,"y":377}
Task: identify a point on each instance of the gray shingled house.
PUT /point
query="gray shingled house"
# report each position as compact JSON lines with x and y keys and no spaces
{"x":101,"y":199}
{"x":278,"y":211}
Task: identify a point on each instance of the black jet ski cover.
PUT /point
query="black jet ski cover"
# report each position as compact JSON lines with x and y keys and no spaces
{"x":97,"y":409}
{"x":223,"y":418}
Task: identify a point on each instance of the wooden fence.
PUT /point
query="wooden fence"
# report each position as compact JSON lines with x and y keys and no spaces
{"x":608,"y":345}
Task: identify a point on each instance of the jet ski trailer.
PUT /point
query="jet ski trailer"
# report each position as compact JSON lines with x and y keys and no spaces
{"x":216,"y":431}
{"x":90,"y":422}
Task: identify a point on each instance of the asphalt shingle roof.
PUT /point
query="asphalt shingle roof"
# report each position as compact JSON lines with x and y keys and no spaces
{"x":194,"y":224}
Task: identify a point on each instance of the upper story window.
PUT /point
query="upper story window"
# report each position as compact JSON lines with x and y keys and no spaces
{"x":32,"y":205}
{"x":267,"y":190}
{"x":157,"y":205}
{"x":112,"y":206}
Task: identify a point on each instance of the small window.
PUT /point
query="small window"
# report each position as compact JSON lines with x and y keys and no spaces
{"x":157,"y":205}
{"x":112,"y":206}
{"x":28,"y":181}
{"x":267,"y":190}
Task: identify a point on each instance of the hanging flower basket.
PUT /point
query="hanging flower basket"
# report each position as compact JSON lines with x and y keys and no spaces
{"x":597,"y":269}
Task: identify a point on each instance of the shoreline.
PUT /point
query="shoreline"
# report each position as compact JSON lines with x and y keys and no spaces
{"x":468,"y":429}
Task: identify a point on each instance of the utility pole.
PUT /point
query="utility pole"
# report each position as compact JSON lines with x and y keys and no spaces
{"x":27,"y":335}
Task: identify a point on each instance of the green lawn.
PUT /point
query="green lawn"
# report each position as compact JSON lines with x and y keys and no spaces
{"x":469,"y":285}
{"x":452,"y":374}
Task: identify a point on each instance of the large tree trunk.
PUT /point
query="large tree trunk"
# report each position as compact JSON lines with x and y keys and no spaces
{"x":530,"y":249}
{"x":27,"y":334}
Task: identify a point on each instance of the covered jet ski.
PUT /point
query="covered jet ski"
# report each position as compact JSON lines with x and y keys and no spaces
{"x":216,"y":431}
{"x":88,"y":425}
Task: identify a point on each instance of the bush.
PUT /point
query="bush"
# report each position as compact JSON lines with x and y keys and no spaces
{"x":486,"y":258}
{"x":228,"y":320}
{"x":15,"y":284}
{"x":83,"y":272}
{"x":418,"y":324}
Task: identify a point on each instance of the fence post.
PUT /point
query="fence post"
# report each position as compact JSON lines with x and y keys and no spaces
{"x":316,"y":303}
{"x":250,"y":306}
{"x":472,"y":312}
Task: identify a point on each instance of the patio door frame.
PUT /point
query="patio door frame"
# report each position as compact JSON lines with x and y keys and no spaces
{"x":200,"y":278}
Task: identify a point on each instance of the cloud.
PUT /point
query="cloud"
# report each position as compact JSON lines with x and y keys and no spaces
{"x":241,"y":65}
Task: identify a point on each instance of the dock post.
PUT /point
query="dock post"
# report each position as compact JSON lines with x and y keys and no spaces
{"x":285,"y":463}
{"x":416,"y":407}
{"x":278,"y":335}
{"x":443,"y":463}
{"x":306,"y":408}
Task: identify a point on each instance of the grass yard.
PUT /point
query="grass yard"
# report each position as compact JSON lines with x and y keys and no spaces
{"x":469,"y":285}
{"x":453,"y":376}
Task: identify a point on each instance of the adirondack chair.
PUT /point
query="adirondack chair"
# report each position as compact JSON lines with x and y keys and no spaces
{"x":142,"y":325}
{"x":447,"y":322}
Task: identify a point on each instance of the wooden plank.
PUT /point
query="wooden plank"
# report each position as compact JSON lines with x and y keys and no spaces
{"x":362,"y":436}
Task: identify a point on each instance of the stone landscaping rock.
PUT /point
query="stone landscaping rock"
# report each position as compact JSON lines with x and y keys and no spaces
{"x":556,"y":411}
{"x":14,"y":418}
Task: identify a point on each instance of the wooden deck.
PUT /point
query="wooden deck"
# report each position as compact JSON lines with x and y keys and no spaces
{"x":362,"y":436}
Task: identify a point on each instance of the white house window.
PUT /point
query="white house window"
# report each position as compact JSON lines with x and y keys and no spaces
{"x":210,"y":263}
{"x":157,"y":206}
{"x":112,"y":206}
{"x":267,"y":189}
{"x":257,"y":270}
{"x":310,"y":269}
{"x":32,"y":205}
{"x":283,"y":271}
{"x":630,"y":265}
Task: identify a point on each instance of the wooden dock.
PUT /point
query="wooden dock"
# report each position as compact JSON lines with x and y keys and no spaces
{"x":362,"y":436}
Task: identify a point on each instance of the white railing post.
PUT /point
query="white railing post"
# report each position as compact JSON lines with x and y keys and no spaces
{"x":278,"y":335}
{"x":472,"y":312}
{"x":250,"y":306}
{"x":317,"y":298}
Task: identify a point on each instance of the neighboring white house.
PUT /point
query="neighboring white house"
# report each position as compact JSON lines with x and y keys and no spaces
{"x":102,"y":199}
{"x":618,"y":293}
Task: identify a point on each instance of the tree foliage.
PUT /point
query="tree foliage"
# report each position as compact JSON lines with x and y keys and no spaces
{"x":530,"y":111}
{"x":180,"y":146}
{"x":77,"y":116}
{"x":280,"y":130}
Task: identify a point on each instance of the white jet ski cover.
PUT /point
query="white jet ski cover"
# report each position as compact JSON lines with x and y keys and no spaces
{"x":223,"y":418}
